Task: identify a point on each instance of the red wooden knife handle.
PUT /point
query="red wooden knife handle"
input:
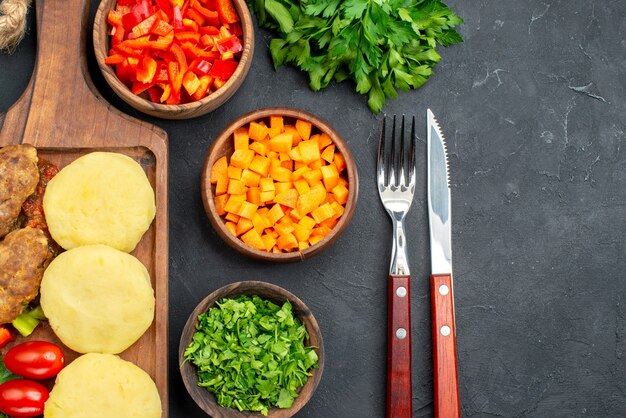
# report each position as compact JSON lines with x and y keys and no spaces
{"x":445,"y":376}
{"x":399,"y":393}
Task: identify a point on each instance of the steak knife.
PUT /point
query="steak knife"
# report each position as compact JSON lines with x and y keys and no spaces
{"x":445,"y":376}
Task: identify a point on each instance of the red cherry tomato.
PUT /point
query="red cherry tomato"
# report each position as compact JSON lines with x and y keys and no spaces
{"x":23,"y":398}
{"x":35,"y":360}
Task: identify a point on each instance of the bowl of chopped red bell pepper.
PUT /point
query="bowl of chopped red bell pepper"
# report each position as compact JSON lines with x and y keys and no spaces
{"x":174,"y":59}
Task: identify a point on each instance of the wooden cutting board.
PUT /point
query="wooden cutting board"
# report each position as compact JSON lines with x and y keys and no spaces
{"x":62,"y":114}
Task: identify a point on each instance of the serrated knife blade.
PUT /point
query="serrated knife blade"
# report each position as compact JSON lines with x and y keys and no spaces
{"x":445,"y":375}
{"x":438,"y":199}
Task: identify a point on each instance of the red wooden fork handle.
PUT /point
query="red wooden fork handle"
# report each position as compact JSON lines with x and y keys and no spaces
{"x":399,"y":393}
{"x":445,"y":377}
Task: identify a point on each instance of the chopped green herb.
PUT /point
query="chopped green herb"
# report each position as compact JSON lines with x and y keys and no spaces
{"x":383,"y":45}
{"x":5,"y":374}
{"x":250,"y":353}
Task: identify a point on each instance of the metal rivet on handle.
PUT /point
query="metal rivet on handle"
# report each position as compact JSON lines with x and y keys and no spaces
{"x":444,"y":290}
{"x":401,"y":291}
{"x":445,"y":330}
{"x":401,"y":333}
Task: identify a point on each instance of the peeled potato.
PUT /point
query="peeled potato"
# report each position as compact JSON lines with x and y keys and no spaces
{"x":97,"y":299}
{"x":103,"y":386}
{"x":100,"y":198}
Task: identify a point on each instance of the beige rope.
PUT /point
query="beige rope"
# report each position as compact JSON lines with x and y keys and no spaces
{"x":12,"y":23}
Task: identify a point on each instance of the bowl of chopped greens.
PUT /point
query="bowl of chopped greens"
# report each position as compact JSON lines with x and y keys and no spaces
{"x":251,"y":349}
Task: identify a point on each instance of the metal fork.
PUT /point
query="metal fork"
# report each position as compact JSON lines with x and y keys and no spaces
{"x":396,"y":186}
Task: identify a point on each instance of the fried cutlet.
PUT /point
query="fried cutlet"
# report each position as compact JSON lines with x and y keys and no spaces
{"x":19,"y":176}
{"x":24,"y":255}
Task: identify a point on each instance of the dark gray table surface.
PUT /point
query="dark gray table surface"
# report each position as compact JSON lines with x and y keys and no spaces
{"x":533,"y":105}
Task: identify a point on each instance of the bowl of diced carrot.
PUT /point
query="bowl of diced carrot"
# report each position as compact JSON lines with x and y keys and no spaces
{"x":279,"y":184}
{"x":174,"y":59}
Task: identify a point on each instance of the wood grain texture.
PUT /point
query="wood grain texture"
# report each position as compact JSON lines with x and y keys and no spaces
{"x":62,"y":115}
{"x":445,"y":375}
{"x":278,"y":295}
{"x":399,"y":388}
{"x":223,"y":146}
{"x":183,"y":111}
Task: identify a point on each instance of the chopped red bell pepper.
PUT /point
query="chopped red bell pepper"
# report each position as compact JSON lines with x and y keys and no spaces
{"x":205,"y":84}
{"x":195,"y":16}
{"x":191,"y":82}
{"x":177,"y":20}
{"x":223,"y":69}
{"x":161,"y":27}
{"x":5,"y":336}
{"x":153,"y":42}
{"x":235,"y":28}
{"x":147,"y":70}
{"x":200,"y":66}
{"x":226,"y":11}
{"x":182,"y":37}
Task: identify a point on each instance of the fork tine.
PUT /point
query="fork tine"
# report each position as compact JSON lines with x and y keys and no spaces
{"x":381,"y":155}
{"x":392,"y":156}
{"x":402,"y":179}
{"x":412,"y":156}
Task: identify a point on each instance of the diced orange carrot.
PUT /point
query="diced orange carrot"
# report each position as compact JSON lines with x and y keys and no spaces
{"x":257,"y":131}
{"x":321,"y":213}
{"x":307,"y":222}
{"x":301,"y":186}
{"x":268,"y":241}
{"x":297,"y":174}
{"x":298,"y":164}
{"x":309,"y":151}
{"x":280,"y":174}
{"x":330,"y":198}
{"x":341,"y":193}
{"x":304,"y":129}
{"x":301,"y":233}
{"x":324,"y":140}
{"x":236,"y":187}
{"x":287,"y":198}
{"x":321,"y":230}
{"x":242,"y":158}
{"x":338,"y":209}
{"x":275,"y":214}
{"x":267,"y":184}
{"x":283,"y":228}
{"x":276,"y":125}
{"x":234,"y":203}
{"x":259,"y":147}
{"x":312,"y":177}
{"x":294,"y":154}
{"x":241,"y":138}
{"x":316,"y":165}
{"x":243,"y":226}
{"x":233,"y":217}
{"x":220,"y":201}
{"x":310,"y":200}
{"x":329,"y":153}
{"x":295,"y":215}
{"x":232,"y":227}
{"x":330,"y":176}
{"x":267,"y":197}
{"x":222,"y":185}
{"x":288,"y":165}
{"x":340,"y":162}
{"x":314,"y":239}
{"x":329,"y":223}
{"x":260,"y":165}
{"x":287,"y":242}
{"x":260,"y":223}
{"x":281,"y":143}
{"x":294,"y":132}
{"x":271,"y":232}
{"x":253,"y":239}
{"x":276,"y":250}
{"x":250,"y":178}
{"x":234,"y":172}
{"x":219,"y":170}
{"x":282,"y":187}
{"x":303,"y":245}
{"x":253,"y":195}
{"x":248,"y":210}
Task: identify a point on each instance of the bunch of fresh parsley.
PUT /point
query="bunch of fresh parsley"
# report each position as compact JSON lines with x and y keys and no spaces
{"x":250,"y":353}
{"x":383,"y":45}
